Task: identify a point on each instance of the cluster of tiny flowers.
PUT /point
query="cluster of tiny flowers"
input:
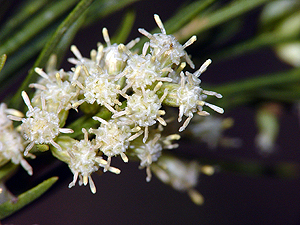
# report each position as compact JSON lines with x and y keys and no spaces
{"x":182,"y":176}
{"x":133,"y":88}
{"x":11,"y":142}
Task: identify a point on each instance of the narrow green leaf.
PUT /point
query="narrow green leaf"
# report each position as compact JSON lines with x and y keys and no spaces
{"x":16,"y":62}
{"x":41,"y":21}
{"x":258,"y":42}
{"x":27,"y":197}
{"x":2,"y":61}
{"x":64,"y":44}
{"x":51,"y":45}
{"x":100,"y":9}
{"x":260,"y":82}
{"x":125,"y":28}
{"x":217,"y":17}
{"x":26,"y":10}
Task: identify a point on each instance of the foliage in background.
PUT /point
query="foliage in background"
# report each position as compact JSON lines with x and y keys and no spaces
{"x":37,"y":29}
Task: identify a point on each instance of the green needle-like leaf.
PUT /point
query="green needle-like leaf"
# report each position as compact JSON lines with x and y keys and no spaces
{"x":27,"y":197}
{"x":26,"y":10}
{"x":125,"y":29}
{"x":100,"y":9}
{"x":2,"y":61}
{"x":33,"y":27}
{"x":217,"y":17}
{"x":51,"y":45}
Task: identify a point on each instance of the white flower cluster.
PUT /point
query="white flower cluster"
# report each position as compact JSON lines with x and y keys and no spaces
{"x":182,"y":176}
{"x":11,"y":142}
{"x":132,"y":88}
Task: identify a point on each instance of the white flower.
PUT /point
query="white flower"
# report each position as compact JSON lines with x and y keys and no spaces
{"x":143,"y":108}
{"x":210,"y":129}
{"x":11,"y":142}
{"x":114,"y":58}
{"x":142,"y":71}
{"x":12,"y":147}
{"x":40,"y":126}
{"x":84,"y":161}
{"x":166,"y":48}
{"x":149,"y":151}
{"x":102,"y":90}
{"x":58,"y":94}
{"x":190,"y":99}
{"x":112,"y":139}
{"x":182,"y":176}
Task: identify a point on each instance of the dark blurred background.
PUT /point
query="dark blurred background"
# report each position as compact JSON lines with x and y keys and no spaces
{"x":230,"y":198}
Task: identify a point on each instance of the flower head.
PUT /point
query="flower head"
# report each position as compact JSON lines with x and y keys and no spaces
{"x":166,"y":48}
{"x":40,"y":126}
{"x":112,"y":139}
{"x":84,"y":161}
{"x":11,"y":143}
{"x":181,"y":175}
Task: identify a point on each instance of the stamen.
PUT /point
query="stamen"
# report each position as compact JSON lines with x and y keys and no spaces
{"x":106,"y":36}
{"x":145,"y":33}
{"x":190,"y":41}
{"x":40,"y":72}
{"x":92,"y":185}
{"x":145,"y":48}
{"x":159,"y":24}
{"x":27,"y":100}
{"x":76,"y":52}
{"x":100,"y":120}
{"x":212,"y":93}
{"x":124,"y":157}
